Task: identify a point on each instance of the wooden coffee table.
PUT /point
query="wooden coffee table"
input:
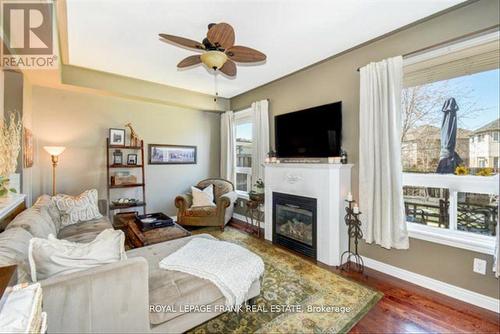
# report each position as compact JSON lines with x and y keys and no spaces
{"x":137,"y":238}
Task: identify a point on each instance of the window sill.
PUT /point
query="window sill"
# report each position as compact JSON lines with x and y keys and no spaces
{"x":464,"y":240}
{"x":243,"y":195}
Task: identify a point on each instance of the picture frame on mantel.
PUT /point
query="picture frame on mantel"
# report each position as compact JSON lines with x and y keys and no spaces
{"x":160,"y":154}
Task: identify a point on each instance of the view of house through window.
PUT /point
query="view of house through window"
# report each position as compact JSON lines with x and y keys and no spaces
{"x":429,"y":142}
{"x":243,"y":154}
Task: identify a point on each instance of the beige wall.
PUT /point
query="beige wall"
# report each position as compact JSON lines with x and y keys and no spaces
{"x":337,"y":80}
{"x":80,"y":121}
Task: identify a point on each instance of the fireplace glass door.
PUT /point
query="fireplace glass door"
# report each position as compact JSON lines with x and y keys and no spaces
{"x":294,"y":223}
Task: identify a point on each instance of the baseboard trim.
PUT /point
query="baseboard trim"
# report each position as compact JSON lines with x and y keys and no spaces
{"x":244,"y":219}
{"x":447,"y":289}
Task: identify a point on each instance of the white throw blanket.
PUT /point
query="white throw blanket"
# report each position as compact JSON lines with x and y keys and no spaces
{"x":230,"y":267}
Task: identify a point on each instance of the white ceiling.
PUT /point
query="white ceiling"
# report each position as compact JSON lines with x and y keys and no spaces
{"x":121,"y":36}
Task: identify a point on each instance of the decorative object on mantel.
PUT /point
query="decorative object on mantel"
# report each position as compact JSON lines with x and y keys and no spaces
{"x":171,"y":154}
{"x":351,"y":260}
{"x":55,"y":152}
{"x":28,"y":148}
{"x":271,"y":157}
{"x":10,"y":146}
{"x":134,"y":138}
{"x":343,"y":156}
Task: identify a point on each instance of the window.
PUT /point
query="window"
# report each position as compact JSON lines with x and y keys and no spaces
{"x":458,"y":210}
{"x":243,"y":146}
{"x":495,"y":135}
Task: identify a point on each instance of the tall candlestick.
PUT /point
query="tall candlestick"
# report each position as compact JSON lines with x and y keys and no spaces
{"x":349,"y":197}
{"x":355,"y":209}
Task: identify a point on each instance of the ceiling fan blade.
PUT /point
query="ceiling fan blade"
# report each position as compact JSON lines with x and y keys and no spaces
{"x":229,"y":68}
{"x":186,"y":42}
{"x":243,"y":54}
{"x":189,"y":61}
{"x":221,"y":34}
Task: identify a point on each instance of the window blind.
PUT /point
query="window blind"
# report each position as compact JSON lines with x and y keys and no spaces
{"x":450,"y":65}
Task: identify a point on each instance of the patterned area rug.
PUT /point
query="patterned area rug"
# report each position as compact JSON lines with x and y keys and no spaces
{"x":323,"y":302}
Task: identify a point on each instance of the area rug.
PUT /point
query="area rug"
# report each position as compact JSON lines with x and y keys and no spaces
{"x":296,"y":296}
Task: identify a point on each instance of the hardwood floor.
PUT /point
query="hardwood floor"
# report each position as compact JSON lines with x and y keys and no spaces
{"x":408,"y":308}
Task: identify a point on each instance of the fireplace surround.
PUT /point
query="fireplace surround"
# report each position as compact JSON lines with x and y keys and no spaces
{"x":294,"y":223}
{"x":328,"y":185}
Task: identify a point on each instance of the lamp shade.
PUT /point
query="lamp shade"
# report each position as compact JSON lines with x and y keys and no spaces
{"x":54,"y":150}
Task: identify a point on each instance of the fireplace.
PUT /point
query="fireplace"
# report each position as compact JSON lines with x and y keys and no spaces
{"x":294,"y":223}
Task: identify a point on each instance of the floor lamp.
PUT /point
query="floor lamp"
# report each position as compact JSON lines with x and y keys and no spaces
{"x":55,"y":152}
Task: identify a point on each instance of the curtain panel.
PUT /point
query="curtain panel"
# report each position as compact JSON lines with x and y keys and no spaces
{"x":380,"y":167}
{"x":260,"y":135}
{"x":227,"y":143}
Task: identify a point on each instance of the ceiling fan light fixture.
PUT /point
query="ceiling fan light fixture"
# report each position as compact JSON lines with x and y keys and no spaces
{"x":214,"y":59}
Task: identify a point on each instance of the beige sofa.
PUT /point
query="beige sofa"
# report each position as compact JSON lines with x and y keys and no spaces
{"x":114,"y":297}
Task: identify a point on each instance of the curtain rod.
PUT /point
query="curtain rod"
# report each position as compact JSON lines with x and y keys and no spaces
{"x":466,"y":36}
{"x":244,"y":108}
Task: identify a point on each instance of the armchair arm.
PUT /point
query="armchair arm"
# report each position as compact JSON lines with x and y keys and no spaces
{"x":183,"y":202}
{"x":228,"y":199}
{"x":109,"y":298}
{"x":223,"y":203}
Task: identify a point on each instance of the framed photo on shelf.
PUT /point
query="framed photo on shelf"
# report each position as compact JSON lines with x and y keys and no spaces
{"x":117,"y":137}
{"x":171,"y":154}
{"x":132,"y":159}
{"x":117,"y":157}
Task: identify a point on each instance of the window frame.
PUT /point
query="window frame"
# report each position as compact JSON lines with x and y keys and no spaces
{"x":468,"y":183}
{"x":240,"y":117}
{"x":451,"y":236}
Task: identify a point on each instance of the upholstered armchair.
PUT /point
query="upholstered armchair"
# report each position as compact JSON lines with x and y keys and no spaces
{"x":219,"y":215}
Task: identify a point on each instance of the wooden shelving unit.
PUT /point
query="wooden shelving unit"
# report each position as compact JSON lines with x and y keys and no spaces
{"x":142,"y":180}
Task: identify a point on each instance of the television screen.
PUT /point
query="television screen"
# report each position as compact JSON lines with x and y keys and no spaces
{"x":310,"y":133}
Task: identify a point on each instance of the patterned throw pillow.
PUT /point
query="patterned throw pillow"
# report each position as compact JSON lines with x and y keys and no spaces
{"x":79,"y":208}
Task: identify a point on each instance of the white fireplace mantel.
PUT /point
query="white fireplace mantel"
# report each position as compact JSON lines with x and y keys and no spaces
{"x":329,"y":184}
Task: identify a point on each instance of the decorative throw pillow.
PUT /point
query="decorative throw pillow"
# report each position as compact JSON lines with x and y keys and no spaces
{"x":203,"y":197}
{"x":53,"y":257}
{"x":79,"y":208}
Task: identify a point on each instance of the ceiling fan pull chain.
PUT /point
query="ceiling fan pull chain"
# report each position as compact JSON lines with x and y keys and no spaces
{"x":215,"y":87}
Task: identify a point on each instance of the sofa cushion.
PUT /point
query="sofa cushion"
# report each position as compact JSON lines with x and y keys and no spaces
{"x":84,"y":231}
{"x":167,"y":287}
{"x":36,"y":220}
{"x":48,"y":203}
{"x":53,"y":257}
{"x":14,"y":244}
{"x":201,"y":211}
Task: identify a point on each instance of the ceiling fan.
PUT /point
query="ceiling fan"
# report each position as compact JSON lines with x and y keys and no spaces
{"x":218,"y":50}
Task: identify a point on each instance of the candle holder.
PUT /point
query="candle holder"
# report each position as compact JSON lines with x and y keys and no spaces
{"x":351,"y":260}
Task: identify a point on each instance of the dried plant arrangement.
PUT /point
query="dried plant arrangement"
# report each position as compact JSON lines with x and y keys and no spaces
{"x":10,"y":147}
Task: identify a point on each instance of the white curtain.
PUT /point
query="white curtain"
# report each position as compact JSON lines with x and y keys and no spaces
{"x":380,"y":168}
{"x":227,"y":142}
{"x":496,"y":262}
{"x":260,"y":136}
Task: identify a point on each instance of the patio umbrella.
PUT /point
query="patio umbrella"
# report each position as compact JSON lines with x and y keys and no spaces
{"x":448,"y":158}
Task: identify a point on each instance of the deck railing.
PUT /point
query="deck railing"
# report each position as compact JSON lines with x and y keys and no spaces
{"x":463,"y":203}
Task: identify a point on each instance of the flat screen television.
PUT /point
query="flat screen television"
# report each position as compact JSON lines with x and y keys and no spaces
{"x":310,"y":133}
